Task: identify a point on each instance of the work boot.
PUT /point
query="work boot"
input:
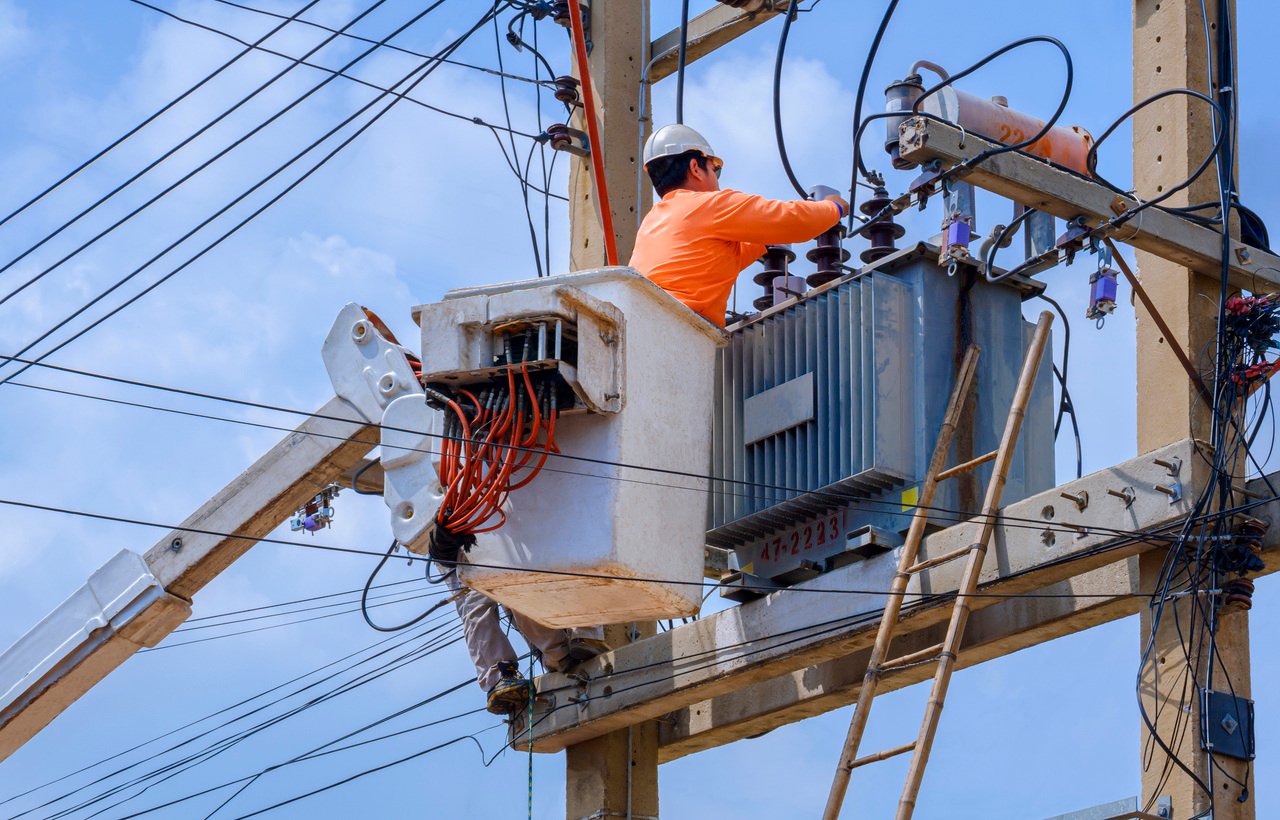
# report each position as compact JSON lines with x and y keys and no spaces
{"x":584,"y":649}
{"x":510,"y":695}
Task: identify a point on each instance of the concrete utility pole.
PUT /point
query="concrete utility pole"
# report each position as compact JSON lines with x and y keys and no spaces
{"x":615,"y":775}
{"x":1170,"y":138}
{"x":618,"y":35}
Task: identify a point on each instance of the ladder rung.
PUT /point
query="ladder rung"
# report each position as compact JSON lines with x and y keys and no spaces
{"x":943,"y":558}
{"x":885,"y":755}
{"x":967,"y":466}
{"x":915,"y":657}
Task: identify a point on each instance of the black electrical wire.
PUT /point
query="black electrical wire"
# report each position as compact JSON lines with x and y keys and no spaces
{"x":252,"y":630}
{"x":937,"y":513}
{"x":788,"y":17}
{"x":179,"y":768}
{"x":385,"y":46}
{"x":1065,"y":405}
{"x":1220,"y":133}
{"x":308,"y":600}
{"x":681,"y":60}
{"x":169,"y":153}
{"x":859,"y":167}
{"x":325,"y":749}
{"x":517,"y":41}
{"x":169,"y":771}
{"x":200,"y":720}
{"x":341,"y":688}
{"x":1145,"y":535}
{"x":364,"y":599}
{"x":314,"y":755}
{"x":340,"y":73}
{"x":360,"y":774}
{"x":286,"y":20}
{"x":410,"y":595}
{"x":423,"y":70}
{"x":521,"y":178}
{"x":1029,"y":141}
{"x":355,"y":478}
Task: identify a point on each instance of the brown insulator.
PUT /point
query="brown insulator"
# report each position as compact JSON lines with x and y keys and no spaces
{"x":559,"y":136}
{"x":775,"y":260}
{"x":567,"y":90}
{"x":1238,"y":594}
{"x":885,"y":232}
{"x":560,"y":13}
{"x":828,"y":256}
{"x":1251,"y":532}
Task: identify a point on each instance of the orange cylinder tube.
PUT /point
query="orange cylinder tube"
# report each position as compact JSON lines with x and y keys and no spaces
{"x":1063,"y":145}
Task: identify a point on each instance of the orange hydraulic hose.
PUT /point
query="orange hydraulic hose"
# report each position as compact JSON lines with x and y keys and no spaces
{"x":593,"y":135}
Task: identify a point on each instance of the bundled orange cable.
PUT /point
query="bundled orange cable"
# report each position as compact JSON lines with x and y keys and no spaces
{"x":485,"y":450}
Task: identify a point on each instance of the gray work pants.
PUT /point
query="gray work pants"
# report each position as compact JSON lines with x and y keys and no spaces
{"x":489,"y":646}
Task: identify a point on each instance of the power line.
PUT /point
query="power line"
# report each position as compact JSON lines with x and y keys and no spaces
{"x":401,"y":638}
{"x":158,"y":113}
{"x":239,"y":633}
{"x":425,"y":70}
{"x":390,"y":47}
{"x":216,"y":748}
{"x":338,"y":72}
{"x":564,"y":573}
{"x":182,"y":180}
{"x":396,"y":642}
{"x":303,"y":600}
{"x":889,"y":508}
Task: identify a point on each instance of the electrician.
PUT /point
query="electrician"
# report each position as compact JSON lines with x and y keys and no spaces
{"x":695,"y":242}
{"x":497,"y":669}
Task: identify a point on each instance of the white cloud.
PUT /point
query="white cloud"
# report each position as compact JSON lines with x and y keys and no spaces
{"x":15,"y":34}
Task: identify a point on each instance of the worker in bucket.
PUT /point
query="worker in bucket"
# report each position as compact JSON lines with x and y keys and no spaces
{"x":695,"y":242}
{"x":497,"y":667}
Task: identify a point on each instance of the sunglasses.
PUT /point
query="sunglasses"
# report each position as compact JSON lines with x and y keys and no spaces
{"x":717,"y":165}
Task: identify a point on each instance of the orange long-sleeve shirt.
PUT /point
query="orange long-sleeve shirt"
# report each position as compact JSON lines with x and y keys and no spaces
{"x":693,"y":244}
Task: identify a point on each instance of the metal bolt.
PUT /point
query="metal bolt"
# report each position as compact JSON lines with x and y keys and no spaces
{"x":1171,"y":491}
{"x":1126,"y":495}
{"x":1229,"y":724}
{"x":1080,"y":531}
{"x":1174,"y":465}
{"x":1080,"y":499}
{"x":175,"y":545}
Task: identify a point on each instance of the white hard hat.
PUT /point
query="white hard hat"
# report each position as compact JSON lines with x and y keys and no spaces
{"x":671,"y":140}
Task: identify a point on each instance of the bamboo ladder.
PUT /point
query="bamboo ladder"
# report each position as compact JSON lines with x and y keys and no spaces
{"x":945,"y":652}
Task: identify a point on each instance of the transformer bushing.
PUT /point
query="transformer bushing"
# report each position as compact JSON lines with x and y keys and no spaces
{"x":884,"y":233}
{"x":828,"y":256}
{"x":775,"y":260}
{"x":787,"y":287}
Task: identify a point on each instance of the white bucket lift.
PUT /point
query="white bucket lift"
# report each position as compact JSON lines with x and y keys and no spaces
{"x":640,"y":368}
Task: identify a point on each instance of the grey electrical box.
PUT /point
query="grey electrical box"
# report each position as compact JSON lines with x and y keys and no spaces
{"x":1226,"y":725}
{"x":827,"y":407}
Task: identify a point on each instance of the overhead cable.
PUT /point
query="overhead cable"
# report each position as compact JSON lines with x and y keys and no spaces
{"x":423,"y":70}
{"x":169,"y":153}
{"x":286,"y":20}
{"x":890,"y":508}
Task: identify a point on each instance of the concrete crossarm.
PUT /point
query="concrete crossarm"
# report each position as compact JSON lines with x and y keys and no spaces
{"x":791,"y":630}
{"x":135,"y":601}
{"x":708,"y":31}
{"x":1036,"y":184}
{"x":1095,"y":597}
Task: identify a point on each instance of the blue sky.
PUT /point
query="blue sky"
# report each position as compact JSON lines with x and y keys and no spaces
{"x":419,"y":204}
